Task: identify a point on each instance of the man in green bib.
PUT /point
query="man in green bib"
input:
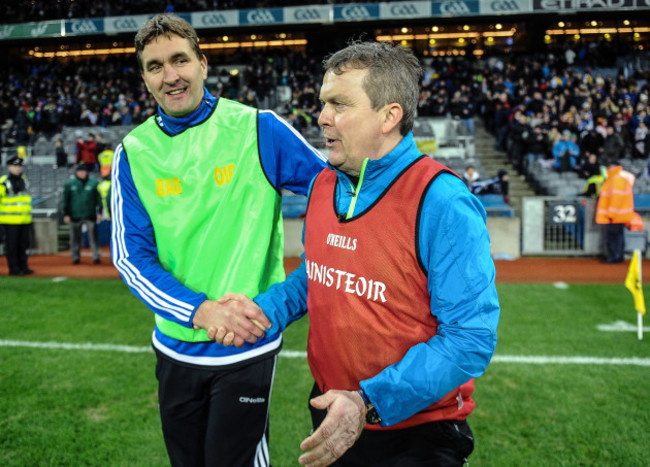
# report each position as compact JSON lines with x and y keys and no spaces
{"x":196,"y":212}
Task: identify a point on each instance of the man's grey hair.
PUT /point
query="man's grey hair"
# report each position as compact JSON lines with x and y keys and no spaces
{"x":393,"y":75}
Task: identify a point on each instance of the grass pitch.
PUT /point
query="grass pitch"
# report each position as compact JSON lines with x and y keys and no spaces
{"x":79,"y":404}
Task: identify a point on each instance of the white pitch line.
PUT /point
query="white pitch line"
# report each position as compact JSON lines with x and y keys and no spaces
{"x":559,"y":360}
{"x":66,"y":346}
{"x":621,"y":326}
{"x":526,"y":359}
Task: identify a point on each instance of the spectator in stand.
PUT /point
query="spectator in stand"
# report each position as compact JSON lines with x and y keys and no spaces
{"x":636,"y":118}
{"x":536,"y":103}
{"x":495,"y":185}
{"x":87,"y":152}
{"x":622,"y":130}
{"x":517,"y":137}
{"x":566,"y":153}
{"x":250,"y":98}
{"x":61,"y":154}
{"x":440,"y":105}
{"x":501,"y":120}
{"x":594,"y":173}
{"x":470,"y":176}
{"x":613,"y":146}
{"x":425,"y":102}
{"x":536,"y":149}
{"x":82,"y":206}
{"x":640,"y":150}
{"x":467,"y":113}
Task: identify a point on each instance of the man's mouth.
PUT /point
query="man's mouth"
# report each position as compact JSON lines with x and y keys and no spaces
{"x":176,"y":92}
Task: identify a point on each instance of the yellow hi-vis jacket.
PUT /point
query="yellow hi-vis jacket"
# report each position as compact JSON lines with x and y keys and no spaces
{"x":105,"y":159}
{"x":15,"y":208}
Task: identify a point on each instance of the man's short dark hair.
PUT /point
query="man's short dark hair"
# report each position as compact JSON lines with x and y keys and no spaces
{"x":393,"y":75}
{"x":166,"y":24}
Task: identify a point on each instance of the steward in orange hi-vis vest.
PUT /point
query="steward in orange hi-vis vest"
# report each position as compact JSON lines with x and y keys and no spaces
{"x":616,"y":200}
{"x":368,"y":300}
{"x":615,"y":209}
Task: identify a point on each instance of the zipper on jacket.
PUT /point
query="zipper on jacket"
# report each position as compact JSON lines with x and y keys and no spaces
{"x":355,"y":191}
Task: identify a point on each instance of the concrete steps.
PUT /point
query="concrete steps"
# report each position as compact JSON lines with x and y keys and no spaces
{"x":493,"y":160}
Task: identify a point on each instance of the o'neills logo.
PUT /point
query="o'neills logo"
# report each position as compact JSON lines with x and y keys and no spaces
{"x":341,"y":241}
{"x":252,"y":400}
{"x":346,"y":281}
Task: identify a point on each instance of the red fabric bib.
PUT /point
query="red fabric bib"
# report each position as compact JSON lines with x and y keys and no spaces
{"x":368,"y":300}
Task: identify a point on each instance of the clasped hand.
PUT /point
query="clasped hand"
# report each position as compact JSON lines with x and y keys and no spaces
{"x":235,"y":319}
{"x":232,"y":320}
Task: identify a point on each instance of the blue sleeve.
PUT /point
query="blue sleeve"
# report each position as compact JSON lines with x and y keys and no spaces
{"x":134,"y":253}
{"x":455,"y":249}
{"x":285,"y":302}
{"x":289,"y":161}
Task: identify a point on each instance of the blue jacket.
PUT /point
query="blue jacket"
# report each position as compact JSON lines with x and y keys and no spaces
{"x":288,"y":162}
{"x":455,"y":249}
{"x":561,"y":147}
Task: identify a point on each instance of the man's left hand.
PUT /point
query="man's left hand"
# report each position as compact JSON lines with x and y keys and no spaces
{"x":344,"y":423}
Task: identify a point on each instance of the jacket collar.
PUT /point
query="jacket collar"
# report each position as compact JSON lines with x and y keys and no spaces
{"x":394,"y":162}
{"x":175,"y":125}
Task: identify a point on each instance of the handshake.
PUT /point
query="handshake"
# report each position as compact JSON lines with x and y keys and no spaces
{"x":232,"y":320}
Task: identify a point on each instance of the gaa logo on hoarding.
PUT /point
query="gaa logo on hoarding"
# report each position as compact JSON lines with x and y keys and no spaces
{"x":6,"y":31}
{"x":213,"y":19}
{"x":504,"y":5}
{"x":405,"y":9}
{"x":260,"y":17}
{"x":454,"y":8}
{"x":38,"y":30}
{"x":307,"y":14}
{"x":355,"y":12}
{"x":125,"y":24}
{"x":83,"y":27}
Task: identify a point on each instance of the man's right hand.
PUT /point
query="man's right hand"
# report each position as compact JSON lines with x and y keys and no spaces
{"x":232,"y":320}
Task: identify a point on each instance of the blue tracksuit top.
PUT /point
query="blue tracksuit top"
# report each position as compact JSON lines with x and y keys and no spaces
{"x":455,"y":249}
{"x":288,"y":161}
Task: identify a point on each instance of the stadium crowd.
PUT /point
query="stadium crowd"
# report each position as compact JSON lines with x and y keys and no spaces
{"x":546,"y":112}
{"x":555,"y":107}
{"x":43,"y":97}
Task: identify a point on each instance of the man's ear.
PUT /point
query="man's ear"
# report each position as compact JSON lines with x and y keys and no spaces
{"x":392,"y":114}
{"x":204,"y":67}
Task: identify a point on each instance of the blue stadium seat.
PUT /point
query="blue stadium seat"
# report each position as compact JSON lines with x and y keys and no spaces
{"x":642,"y":203}
{"x":495,"y":206}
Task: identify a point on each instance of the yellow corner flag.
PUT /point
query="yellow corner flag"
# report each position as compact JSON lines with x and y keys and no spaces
{"x":633,"y":282}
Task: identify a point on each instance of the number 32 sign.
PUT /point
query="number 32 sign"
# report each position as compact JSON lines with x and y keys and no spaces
{"x":563,"y":212}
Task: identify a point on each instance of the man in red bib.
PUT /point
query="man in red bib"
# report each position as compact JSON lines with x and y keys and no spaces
{"x":397,"y":279}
